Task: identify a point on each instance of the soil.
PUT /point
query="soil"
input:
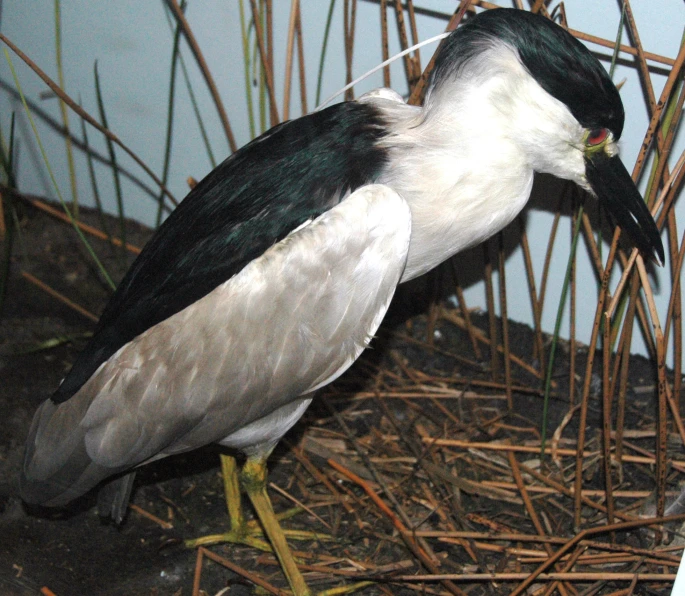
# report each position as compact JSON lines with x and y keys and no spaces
{"x":73,"y":552}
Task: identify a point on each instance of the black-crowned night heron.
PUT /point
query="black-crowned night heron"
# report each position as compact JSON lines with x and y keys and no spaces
{"x":274,"y":273}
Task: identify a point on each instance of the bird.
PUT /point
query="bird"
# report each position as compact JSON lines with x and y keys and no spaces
{"x":274,"y":273}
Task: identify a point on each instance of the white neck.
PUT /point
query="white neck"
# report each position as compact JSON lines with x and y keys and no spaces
{"x":465,"y":161}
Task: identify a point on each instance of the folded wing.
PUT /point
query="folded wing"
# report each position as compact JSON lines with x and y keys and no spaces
{"x":291,"y":321}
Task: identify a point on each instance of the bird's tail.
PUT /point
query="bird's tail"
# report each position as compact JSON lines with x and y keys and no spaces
{"x":114,"y":496}
{"x":57,"y":468}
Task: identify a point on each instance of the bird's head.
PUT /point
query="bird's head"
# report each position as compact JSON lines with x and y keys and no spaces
{"x":537,"y":85}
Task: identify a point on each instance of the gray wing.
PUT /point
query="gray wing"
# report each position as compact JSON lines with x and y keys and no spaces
{"x":291,"y":321}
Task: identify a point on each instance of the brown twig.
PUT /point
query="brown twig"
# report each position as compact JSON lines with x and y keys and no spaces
{"x":290,"y":48}
{"x":160,"y":522}
{"x":350,"y":21}
{"x":504,"y":317}
{"x":606,"y":419}
{"x":397,"y":523}
{"x":661,"y":421}
{"x":59,"y":296}
{"x":582,"y":536}
{"x":252,"y":577}
{"x":301,"y":62}
{"x":539,"y":350}
{"x":385,"y":50}
{"x":466,"y":315}
{"x":39,"y":203}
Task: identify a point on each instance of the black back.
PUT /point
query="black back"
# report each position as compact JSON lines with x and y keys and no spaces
{"x":292,"y":173}
{"x":561,"y":65}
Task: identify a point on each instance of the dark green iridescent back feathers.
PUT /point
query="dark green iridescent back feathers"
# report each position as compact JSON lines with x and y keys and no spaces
{"x":255,"y":198}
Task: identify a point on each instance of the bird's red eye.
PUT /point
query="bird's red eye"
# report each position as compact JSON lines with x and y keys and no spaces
{"x":597,"y":136}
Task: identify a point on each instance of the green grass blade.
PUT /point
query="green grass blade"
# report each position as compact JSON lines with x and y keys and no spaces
{"x":64,"y":111}
{"x":94,"y":183}
{"x":53,"y":342}
{"x":7,"y":244}
{"x":324,"y":47}
{"x":245,"y":36}
{"x":170,"y":117}
{"x":44,"y":155}
{"x":7,"y":156}
{"x":617,"y":45}
{"x":193,"y":102}
{"x":8,"y":214}
{"x":11,"y":153}
{"x":557,"y":328}
{"x":113,"y":159}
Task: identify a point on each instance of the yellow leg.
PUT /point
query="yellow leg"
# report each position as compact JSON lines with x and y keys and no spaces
{"x":240,"y":532}
{"x":253,"y":477}
{"x":229,"y":473}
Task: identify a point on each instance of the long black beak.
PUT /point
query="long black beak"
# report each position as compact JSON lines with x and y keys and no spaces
{"x":613,"y":185}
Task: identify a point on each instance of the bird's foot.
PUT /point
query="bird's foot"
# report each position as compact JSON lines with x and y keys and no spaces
{"x":293,"y":534}
{"x":233,"y":537}
{"x":250,"y":534}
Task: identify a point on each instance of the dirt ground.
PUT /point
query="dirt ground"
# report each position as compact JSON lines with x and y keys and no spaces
{"x":72,"y":552}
